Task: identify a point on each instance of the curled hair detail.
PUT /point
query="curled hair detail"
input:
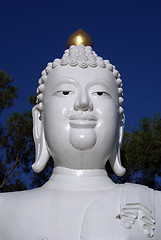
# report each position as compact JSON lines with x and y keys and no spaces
{"x":40,"y":81}
{"x":121,"y":109}
{"x":118,"y":81}
{"x":110,"y":67}
{"x":39,"y":106}
{"x":101,"y":63}
{"x":43,"y":73}
{"x":91,"y":57}
{"x":64,"y":61}
{"x":47,"y":69}
{"x":82,"y":56}
{"x":92,"y":63}
{"x":73,"y":61}
{"x":121,"y":100}
{"x":40,"y":97}
{"x":83,"y":64}
{"x":115,"y":72}
{"x":120,"y":91}
{"x":43,"y":78}
{"x":41,"y":88}
{"x":55,"y":63}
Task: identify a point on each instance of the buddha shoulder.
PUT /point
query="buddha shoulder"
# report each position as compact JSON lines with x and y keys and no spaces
{"x":21,"y":198}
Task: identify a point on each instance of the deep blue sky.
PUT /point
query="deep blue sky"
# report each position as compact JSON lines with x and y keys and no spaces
{"x":127,"y":32}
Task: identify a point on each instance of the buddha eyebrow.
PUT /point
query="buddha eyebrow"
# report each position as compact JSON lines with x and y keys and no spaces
{"x":99,"y":82}
{"x":65,"y":80}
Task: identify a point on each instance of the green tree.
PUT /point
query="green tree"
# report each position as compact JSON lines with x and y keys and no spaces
{"x":17,"y":146}
{"x":7,"y":91}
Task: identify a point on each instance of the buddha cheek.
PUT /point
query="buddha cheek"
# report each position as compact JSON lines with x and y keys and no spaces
{"x":82,"y":139}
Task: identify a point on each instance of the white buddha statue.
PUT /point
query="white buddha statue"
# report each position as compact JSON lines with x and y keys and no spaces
{"x":79,"y":121}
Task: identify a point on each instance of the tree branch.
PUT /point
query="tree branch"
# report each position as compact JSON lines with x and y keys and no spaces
{"x":15,"y":164}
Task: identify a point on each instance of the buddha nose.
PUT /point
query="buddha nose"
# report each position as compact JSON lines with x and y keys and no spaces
{"x":83,"y":103}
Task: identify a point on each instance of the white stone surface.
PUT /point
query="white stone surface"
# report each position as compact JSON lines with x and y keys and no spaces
{"x":79,"y":121}
{"x":73,"y":204}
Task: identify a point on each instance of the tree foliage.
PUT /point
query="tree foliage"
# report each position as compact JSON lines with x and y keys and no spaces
{"x":17,"y":146}
{"x":7,"y":91}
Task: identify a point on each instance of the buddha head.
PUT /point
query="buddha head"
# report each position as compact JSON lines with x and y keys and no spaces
{"x":78,"y":118}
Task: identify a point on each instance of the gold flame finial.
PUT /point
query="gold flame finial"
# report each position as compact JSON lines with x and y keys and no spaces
{"x":79,"y":37}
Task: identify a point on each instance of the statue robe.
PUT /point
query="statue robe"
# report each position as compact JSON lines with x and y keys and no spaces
{"x":81,"y":205}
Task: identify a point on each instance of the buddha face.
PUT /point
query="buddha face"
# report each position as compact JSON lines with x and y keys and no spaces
{"x":80,"y":116}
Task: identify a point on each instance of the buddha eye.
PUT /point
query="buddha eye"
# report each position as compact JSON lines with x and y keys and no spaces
{"x":66,"y":92}
{"x":63,"y":93}
{"x":100,"y":93}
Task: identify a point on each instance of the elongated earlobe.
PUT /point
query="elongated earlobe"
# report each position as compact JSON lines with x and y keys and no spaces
{"x":42,"y":154}
{"x":115,"y":159}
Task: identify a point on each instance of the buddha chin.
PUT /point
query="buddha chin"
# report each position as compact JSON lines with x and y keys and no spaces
{"x":82,"y":139}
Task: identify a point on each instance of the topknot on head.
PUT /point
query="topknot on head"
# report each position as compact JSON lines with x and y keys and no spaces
{"x":81,"y":56}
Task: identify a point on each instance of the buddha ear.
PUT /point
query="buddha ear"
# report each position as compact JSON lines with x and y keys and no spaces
{"x":42,"y":154}
{"x":115,"y":159}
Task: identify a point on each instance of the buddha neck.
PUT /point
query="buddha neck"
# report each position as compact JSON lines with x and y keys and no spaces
{"x":79,"y":180}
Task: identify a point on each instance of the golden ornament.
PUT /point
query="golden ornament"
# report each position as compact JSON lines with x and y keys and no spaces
{"x":79,"y":37}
